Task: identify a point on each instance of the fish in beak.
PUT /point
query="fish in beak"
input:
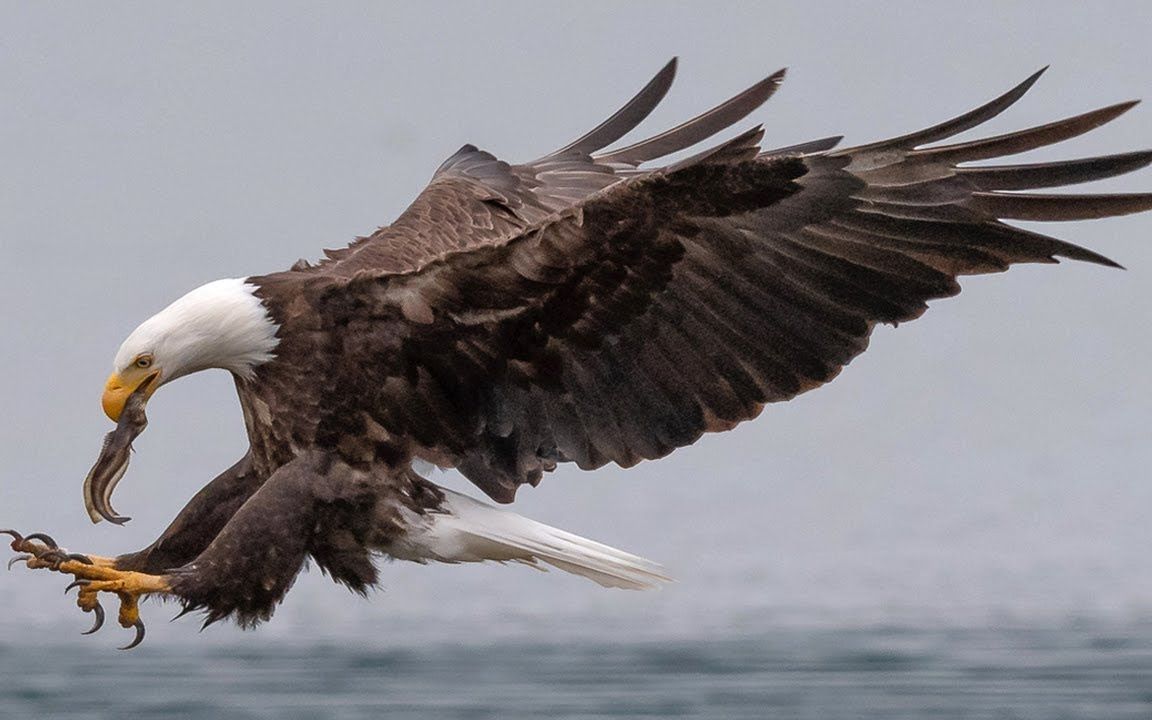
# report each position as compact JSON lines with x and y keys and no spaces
{"x":115,"y":454}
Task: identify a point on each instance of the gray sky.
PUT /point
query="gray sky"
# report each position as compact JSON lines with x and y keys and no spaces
{"x":987,"y":463}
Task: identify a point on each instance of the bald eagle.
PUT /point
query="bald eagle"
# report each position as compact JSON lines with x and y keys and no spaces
{"x":592,"y":306}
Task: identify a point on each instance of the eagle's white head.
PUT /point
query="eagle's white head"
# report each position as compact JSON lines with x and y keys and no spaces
{"x":219,"y":325}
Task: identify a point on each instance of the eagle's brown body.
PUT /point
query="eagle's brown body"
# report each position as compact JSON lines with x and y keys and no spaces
{"x":580,"y":309}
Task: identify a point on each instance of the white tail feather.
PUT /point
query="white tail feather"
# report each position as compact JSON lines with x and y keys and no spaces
{"x":467,"y":530}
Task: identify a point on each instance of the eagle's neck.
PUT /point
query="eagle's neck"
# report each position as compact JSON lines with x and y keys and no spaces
{"x":219,"y":325}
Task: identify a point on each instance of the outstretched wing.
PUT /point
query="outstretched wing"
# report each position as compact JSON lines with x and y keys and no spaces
{"x":679,"y":301}
{"x":475,"y":200}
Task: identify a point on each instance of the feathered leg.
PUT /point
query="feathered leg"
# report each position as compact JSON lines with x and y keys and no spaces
{"x":134,"y":575}
{"x":313,"y":505}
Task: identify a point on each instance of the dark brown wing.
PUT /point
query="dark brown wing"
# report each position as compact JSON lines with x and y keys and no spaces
{"x":681,"y":301}
{"x":475,"y":200}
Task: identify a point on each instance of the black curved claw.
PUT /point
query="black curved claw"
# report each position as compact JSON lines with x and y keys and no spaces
{"x":17,"y":539}
{"x":99,"y":610}
{"x":77,"y":583}
{"x":78,"y":557}
{"x":19,"y":558}
{"x":46,"y":539}
{"x":139,"y":625}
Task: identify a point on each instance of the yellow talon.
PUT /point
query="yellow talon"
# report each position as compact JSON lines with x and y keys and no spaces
{"x":94,"y":574}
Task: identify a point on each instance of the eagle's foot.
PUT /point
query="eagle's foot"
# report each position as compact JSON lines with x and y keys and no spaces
{"x":93,"y":576}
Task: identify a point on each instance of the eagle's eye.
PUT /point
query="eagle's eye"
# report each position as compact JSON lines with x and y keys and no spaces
{"x":143,"y":362}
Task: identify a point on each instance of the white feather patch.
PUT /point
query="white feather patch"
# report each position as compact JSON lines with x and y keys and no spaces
{"x":467,"y":530}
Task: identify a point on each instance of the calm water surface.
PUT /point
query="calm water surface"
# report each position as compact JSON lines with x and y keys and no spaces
{"x":1042,"y":673}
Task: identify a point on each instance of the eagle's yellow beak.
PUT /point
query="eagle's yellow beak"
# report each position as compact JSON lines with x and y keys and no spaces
{"x":119,"y":387}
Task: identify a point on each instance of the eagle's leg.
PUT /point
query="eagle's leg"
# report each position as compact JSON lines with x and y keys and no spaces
{"x":185,"y":538}
{"x":133,"y":575}
{"x":238,"y":546}
{"x":314,"y":505}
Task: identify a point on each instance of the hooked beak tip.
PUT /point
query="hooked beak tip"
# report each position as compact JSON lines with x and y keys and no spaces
{"x":117,"y":391}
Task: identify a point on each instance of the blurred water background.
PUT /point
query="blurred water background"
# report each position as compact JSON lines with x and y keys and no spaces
{"x":958,"y":527}
{"x":889,"y":673}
